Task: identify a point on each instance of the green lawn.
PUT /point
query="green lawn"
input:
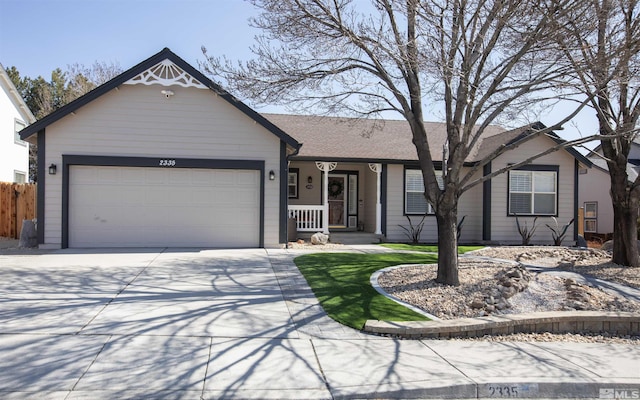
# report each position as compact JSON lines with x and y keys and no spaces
{"x":340,"y":281}
{"x":426,"y":248}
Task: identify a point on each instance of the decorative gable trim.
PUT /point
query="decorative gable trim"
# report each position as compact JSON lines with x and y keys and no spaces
{"x":165,"y":73}
{"x":146,"y":65}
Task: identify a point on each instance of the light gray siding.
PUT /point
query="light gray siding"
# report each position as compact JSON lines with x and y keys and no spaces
{"x":139,"y":121}
{"x":469,"y":205}
{"x":503,"y":227}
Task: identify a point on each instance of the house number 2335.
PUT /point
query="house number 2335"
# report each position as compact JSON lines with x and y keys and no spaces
{"x":167,"y":163}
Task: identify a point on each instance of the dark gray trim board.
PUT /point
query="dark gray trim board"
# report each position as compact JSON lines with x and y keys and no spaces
{"x":157,"y":162}
{"x":576,"y":203}
{"x":284,"y":193}
{"x":486,"y":203}
{"x":383,"y":197}
{"x":42,"y":177}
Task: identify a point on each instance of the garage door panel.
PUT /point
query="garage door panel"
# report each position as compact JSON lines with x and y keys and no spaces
{"x":133,"y":197}
{"x":137,"y":207}
{"x":245,"y":178}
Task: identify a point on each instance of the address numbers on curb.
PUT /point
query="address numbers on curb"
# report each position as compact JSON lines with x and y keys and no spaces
{"x":510,"y":390}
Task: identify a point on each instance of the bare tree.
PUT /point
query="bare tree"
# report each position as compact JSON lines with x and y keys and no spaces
{"x":477,"y":59}
{"x":82,"y":79}
{"x":603,"y":46}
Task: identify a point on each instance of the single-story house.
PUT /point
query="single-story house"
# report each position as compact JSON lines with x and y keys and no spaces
{"x":14,"y":116}
{"x":595,"y":187}
{"x":163,"y":156}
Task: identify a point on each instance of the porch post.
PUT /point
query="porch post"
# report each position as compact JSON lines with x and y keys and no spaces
{"x":325,"y":167}
{"x":377,"y":168}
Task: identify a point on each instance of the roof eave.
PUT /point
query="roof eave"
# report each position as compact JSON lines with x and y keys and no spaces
{"x":553,"y":136}
{"x":15,"y":97}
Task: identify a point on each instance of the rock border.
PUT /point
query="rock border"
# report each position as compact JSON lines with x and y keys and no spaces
{"x":620,"y":323}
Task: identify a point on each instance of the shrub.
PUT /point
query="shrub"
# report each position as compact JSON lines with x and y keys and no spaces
{"x":558,"y":233}
{"x":413,"y":231}
{"x":524,"y":230}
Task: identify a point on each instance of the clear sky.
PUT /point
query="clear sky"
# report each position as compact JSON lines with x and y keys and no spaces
{"x":37,"y":36}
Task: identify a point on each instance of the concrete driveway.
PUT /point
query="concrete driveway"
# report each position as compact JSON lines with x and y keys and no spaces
{"x":146,"y":323}
{"x":173,"y":292}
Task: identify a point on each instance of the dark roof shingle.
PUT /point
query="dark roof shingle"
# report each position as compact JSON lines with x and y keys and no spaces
{"x":325,"y":138}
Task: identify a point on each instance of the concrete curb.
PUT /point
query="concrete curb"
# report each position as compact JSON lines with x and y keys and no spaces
{"x":374,"y":282}
{"x":622,"y":323}
{"x":540,"y":388}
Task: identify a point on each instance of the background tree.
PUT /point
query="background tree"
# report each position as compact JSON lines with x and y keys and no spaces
{"x":477,"y":60}
{"x":43,"y":97}
{"x":603,"y":46}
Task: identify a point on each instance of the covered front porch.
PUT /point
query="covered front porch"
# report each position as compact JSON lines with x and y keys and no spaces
{"x":335,"y":197}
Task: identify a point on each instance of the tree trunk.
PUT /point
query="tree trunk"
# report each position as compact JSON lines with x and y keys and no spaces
{"x":625,"y":231}
{"x":625,"y":209}
{"x":447,"y":247}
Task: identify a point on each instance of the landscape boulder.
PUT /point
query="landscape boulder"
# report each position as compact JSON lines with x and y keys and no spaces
{"x":319,"y":238}
{"x":608,"y":245}
{"x":28,"y":236}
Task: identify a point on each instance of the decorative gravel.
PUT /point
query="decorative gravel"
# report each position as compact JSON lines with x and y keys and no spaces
{"x":596,"y":263}
{"x":416,"y":285}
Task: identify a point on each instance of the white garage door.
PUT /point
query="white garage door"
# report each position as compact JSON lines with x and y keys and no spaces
{"x":158,"y":207}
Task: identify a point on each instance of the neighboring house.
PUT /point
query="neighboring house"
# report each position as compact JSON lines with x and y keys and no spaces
{"x":595,"y":187}
{"x":14,"y":116}
{"x":162,"y":156}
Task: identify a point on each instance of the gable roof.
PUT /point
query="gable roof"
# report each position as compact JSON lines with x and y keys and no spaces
{"x":145,"y":65}
{"x":15,"y":97}
{"x":489,"y":144}
{"x":334,"y":138}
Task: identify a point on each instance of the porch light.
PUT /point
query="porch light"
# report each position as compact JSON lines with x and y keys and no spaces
{"x":272,"y":175}
{"x":309,"y":179}
{"x":53,"y":169}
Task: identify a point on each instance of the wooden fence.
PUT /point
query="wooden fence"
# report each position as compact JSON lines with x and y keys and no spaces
{"x":17,"y":203}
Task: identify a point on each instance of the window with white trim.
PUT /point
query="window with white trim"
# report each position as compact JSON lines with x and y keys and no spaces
{"x":19,"y":177}
{"x":414,"y":200}
{"x":17,"y":127}
{"x":292,"y":183}
{"x":533,"y":192}
{"x":591,"y":216}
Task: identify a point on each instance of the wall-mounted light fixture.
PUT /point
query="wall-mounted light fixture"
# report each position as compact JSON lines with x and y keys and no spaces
{"x":167,"y":93}
{"x":309,"y":179}
{"x":272,"y":175}
{"x":53,"y":169}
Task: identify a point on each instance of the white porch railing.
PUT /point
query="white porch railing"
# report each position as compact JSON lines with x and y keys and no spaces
{"x":308,"y":218}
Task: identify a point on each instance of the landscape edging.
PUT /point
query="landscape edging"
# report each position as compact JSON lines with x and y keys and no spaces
{"x":620,"y":323}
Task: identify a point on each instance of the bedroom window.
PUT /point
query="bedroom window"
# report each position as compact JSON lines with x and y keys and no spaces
{"x":533,"y":192}
{"x":414,"y":200}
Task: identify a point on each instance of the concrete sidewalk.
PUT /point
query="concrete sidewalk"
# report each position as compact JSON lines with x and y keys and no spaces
{"x":185,"y":324}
